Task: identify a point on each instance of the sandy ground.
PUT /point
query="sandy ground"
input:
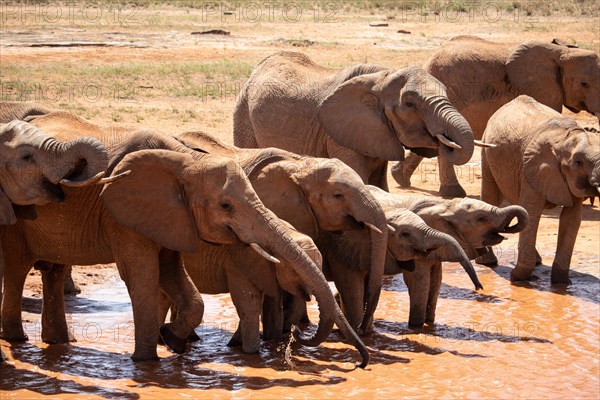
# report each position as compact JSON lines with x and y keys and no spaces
{"x":41,"y":51}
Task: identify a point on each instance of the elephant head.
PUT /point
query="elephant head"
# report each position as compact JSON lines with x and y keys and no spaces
{"x":177,"y":199}
{"x":380,"y":113}
{"x":317,"y":194}
{"x":563,"y":161}
{"x":556,"y":75}
{"x":33,"y":164}
{"x":413,"y":239}
{"x":473,"y":223}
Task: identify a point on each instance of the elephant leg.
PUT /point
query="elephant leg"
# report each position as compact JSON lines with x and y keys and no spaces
{"x":2,"y":356}
{"x":534,"y":204}
{"x":449,"y":185}
{"x":14,"y":282}
{"x":403,"y":170}
{"x":568,"y":226}
{"x":418,"y":283}
{"x":378,"y":176}
{"x":272,"y":317}
{"x":490,"y":192}
{"x":538,"y":258}
{"x":178,"y":286}
{"x":434,"y":291}
{"x":54,"y":321}
{"x":70,"y":286}
{"x":295,"y":313}
{"x":489,"y":259}
{"x":138,"y":264}
{"x":350,"y":283}
{"x":247,"y":300}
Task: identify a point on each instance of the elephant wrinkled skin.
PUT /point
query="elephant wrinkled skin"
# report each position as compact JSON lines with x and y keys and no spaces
{"x":316,"y":196}
{"x":541,"y":160}
{"x":32,"y":167}
{"x":474,"y":224}
{"x":482,"y":76}
{"x":172,"y":198}
{"x":364,"y":115}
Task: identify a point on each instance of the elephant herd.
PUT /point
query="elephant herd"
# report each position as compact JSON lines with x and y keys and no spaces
{"x":301,"y":197}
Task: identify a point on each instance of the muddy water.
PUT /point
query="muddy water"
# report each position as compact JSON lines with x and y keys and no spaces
{"x":508,"y":341}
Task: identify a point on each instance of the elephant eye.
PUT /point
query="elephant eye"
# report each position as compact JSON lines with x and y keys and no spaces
{"x":405,"y":234}
{"x":225,"y":206}
{"x":585,"y":85}
{"x":28,"y":157}
{"x":338,"y":196}
{"x":577,"y":163}
{"x":482,"y":218}
{"x":409,"y":104}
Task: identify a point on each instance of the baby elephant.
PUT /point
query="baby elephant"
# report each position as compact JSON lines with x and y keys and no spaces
{"x":473,"y":223}
{"x":542,"y":159}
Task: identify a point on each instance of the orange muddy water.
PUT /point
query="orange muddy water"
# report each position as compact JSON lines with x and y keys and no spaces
{"x":532,"y":341}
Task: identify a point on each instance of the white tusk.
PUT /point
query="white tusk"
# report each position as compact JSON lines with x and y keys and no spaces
{"x":598,"y":189}
{"x":447,"y":141}
{"x":75,"y":184}
{"x":113,"y":178}
{"x":484,"y":144}
{"x":263,"y":253}
{"x":372,"y":227}
{"x":391,"y":228}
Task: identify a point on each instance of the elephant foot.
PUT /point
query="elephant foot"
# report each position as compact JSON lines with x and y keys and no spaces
{"x":139,"y":357}
{"x":57,"y":339}
{"x":452,"y":191}
{"x":193,"y":337}
{"x":15,"y":338}
{"x":517,"y":275}
{"x":489,"y":259}
{"x":71,"y":287}
{"x":399,"y":175}
{"x":560,"y":277}
{"x":172,"y":341}
{"x":236,"y":339}
{"x":416,"y":325}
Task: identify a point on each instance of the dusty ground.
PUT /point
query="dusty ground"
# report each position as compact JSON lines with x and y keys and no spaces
{"x":142,"y":66}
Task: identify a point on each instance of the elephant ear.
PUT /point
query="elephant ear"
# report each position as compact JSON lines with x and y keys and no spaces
{"x":542,"y":171}
{"x":354,"y":117}
{"x":7,"y":214}
{"x":151,"y":200}
{"x":534,"y":69}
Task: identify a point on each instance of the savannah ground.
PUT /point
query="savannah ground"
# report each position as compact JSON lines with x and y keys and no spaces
{"x":139,"y":63}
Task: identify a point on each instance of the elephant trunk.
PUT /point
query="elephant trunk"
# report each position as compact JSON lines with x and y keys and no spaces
{"x":434,"y":238}
{"x":283,"y":246}
{"x":507,"y":214}
{"x":451,"y":129}
{"x":373,"y":215}
{"x":76,"y":163}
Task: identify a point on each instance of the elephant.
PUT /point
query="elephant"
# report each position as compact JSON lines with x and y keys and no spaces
{"x":25,"y":111}
{"x":542,"y":160}
{"x":34,"y":166}
{"x":475,"y":224}
{"x":482,"y":76}
{"x":316,"y":196}
{"x":365,"y":115}
{"x":167,"y":200}
{"x":246,"y":275}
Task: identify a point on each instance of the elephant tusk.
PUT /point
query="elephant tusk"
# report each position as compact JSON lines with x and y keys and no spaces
{"x":113,"y":178}
{"x":263,"y":253}
{"x":443,"y":139}
{"x":372,"y":227}
{"x":391,"y":228}
{"x":484,"y":144}
{"x":75,"y":184}
{"x":598,"y":189}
